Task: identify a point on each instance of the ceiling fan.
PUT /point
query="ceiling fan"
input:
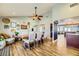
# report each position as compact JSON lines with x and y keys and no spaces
{"x":35,"y":16}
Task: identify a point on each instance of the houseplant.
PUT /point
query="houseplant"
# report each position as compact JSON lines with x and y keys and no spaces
{"x":2,"y":42}
{"x":16,"y":33}
{"x":16,"y":36}
{"x":1,"y":38}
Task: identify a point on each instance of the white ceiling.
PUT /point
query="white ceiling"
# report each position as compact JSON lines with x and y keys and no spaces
{"x":23,"y":9}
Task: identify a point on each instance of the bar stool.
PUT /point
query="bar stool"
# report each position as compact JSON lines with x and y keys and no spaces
{"x":38,"y":39}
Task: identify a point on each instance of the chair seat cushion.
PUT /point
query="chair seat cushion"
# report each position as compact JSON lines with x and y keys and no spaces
{"x":10,"y":40}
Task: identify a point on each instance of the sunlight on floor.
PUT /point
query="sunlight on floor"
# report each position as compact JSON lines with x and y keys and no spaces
{"x":61,"y":44}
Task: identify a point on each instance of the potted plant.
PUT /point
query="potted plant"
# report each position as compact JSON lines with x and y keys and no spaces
{"x":2,"y":42}
{"x":1,"y":38}
{"x":16,"y":33}
{"x":16,"y":36}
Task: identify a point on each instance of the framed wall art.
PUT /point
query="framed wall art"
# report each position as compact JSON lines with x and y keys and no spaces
{"x":23,"y":26}
{"x":6,"y":26}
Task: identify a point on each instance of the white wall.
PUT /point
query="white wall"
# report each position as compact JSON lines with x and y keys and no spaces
{"x":63,"y":10}
{"x":45,"y":20}
{"x":47,"y":17}
{"x":18,"y":20}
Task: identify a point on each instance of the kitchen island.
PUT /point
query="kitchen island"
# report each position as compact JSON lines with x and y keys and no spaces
{"x":72,"y":39}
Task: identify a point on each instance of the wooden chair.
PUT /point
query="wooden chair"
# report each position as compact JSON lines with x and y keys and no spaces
{"x":42,"y":38}
{"x":29,"y":43}
{"x":38,"y":39}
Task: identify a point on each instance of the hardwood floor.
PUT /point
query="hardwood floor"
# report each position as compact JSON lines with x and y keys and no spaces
{"x":47,"y":49}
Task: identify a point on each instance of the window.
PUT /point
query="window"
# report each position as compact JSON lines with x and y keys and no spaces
{"x":13,"y":24}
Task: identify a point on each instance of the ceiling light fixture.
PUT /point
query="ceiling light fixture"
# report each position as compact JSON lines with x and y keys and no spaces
{"x":36,"y":16}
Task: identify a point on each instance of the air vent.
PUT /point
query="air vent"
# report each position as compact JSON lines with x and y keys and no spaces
{"x":73,"y":5}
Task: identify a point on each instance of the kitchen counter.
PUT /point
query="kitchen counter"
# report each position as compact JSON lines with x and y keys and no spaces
{"x":72,"y":39}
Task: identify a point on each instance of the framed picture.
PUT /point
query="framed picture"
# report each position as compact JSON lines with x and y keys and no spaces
{"x":6,"y":26}
{"x":13,"y":24}
{"x":23,"y":26}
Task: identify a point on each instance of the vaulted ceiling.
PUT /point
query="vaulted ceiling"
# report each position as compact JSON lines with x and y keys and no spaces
{"x":23,"y":9}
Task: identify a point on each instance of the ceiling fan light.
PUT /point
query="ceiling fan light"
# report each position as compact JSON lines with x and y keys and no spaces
{"x":34,"y":17}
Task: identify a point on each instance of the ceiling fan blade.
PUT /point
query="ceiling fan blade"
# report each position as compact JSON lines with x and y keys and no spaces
{"x":39,"y":18}
{"x":35,"y":16}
